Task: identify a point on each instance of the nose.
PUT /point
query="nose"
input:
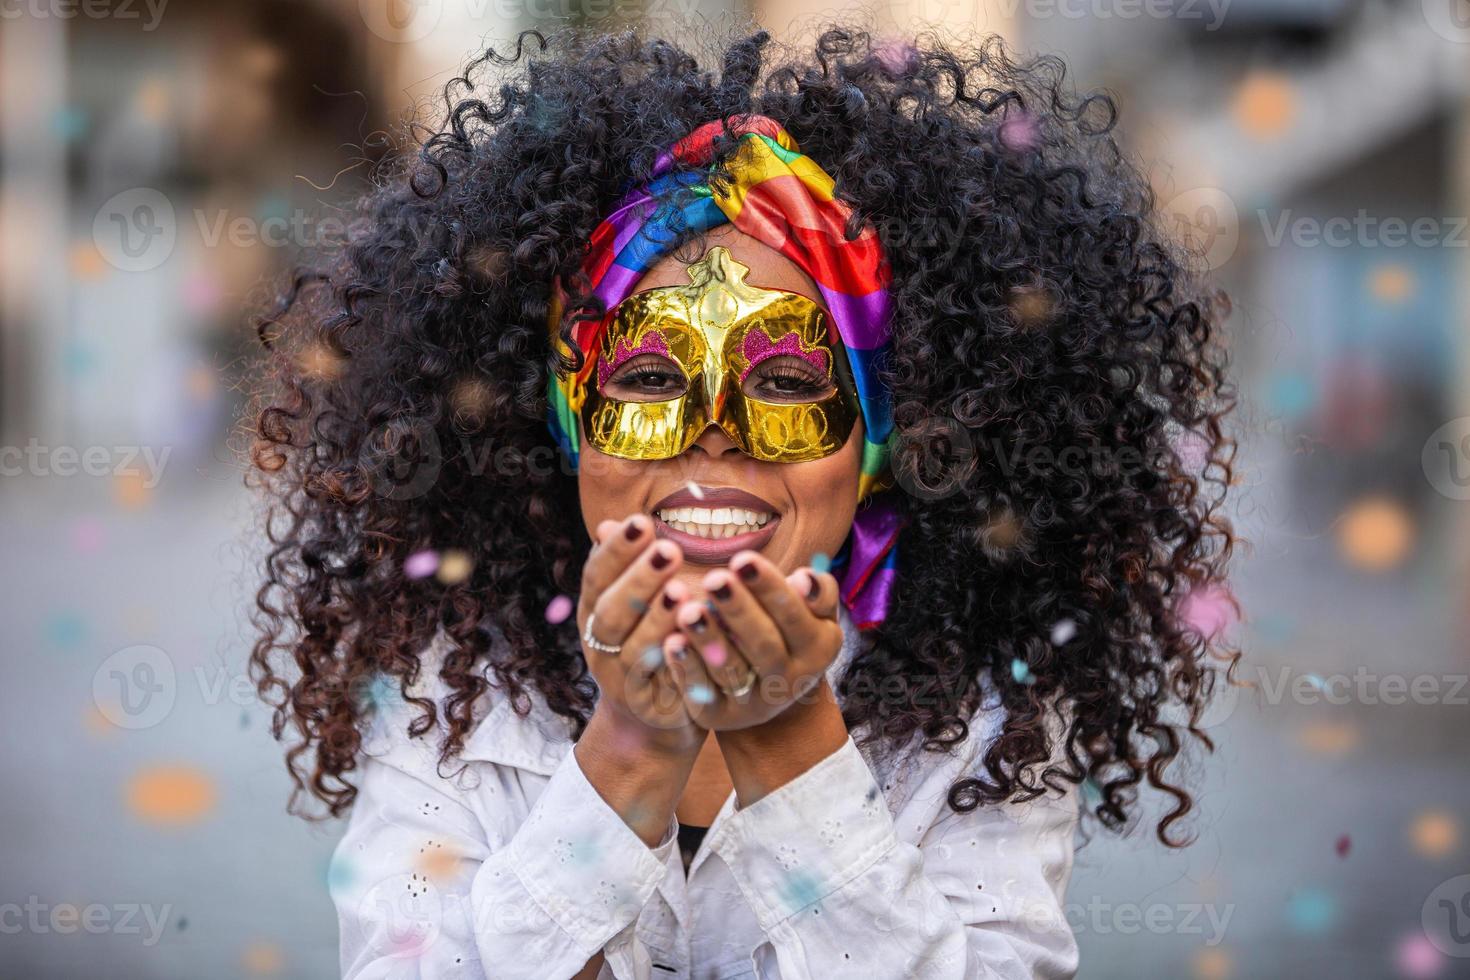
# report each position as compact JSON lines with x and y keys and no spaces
{"x":715,"y":443}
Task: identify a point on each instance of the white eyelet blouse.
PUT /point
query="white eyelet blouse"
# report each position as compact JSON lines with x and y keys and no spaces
{"x":514,"y":866}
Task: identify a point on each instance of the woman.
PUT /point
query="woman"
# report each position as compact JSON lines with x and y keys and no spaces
{"x":904,"y":306}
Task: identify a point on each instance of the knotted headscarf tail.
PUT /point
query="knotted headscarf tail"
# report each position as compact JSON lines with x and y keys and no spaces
{"x":772,"y":192}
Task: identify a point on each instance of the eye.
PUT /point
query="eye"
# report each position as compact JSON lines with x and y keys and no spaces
{"x":647,"y":377}
{"x":784,"y":378}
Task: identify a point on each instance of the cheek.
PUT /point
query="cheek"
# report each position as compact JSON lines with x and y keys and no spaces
{"x":608,"y":487}
{"x":825,"y":491}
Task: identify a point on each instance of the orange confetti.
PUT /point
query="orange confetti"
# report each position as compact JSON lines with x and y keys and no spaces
{"x":1392,"y":283}
{"x":1434,"y":834}
{"x":262,"y":959}
{"x":170,"y":795}
{"x":1212,"y":964}
{"x":153,"y":99}
{"x":1328,"y":738}
{"x":1375,"y":534}
{"x":436,"y":861}
{"x":1264,"y":105}
{"x":86,"y":261}
{"x":133,"y":491}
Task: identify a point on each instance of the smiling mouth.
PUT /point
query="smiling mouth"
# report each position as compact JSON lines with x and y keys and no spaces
{"x":712,"y":525}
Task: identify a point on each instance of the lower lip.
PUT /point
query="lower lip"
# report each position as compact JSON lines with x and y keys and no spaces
{"x":715,"y":551}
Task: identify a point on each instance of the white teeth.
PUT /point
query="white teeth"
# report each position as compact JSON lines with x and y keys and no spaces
{"x":719,"y":522}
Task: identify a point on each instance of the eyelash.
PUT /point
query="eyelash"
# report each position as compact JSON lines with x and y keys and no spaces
{"x":805,"y":382}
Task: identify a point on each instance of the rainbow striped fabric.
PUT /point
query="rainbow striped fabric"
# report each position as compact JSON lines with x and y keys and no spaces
{"x":777,"y":195}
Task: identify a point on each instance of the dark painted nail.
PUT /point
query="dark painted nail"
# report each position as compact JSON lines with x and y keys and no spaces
{"x":749,"y":572}
{"x":815,"y":589}
{"x":680,"y":653}
{"x":724,"y":593}
{"x":669,"y":601}
{"x":632,"y":531}
{"x":660,"y":561}
{"x":700,"y":625}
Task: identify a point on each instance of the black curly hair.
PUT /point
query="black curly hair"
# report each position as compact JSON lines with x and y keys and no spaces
{"x":1053,"y":352}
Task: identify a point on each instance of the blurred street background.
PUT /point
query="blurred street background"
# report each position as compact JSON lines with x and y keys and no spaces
{"x":159,"y":158}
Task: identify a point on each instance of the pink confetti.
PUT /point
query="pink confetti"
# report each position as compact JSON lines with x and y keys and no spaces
{"x":1208,"y":611}
{"x":558,"y":609}
{"x":421,"y":564}
{"x":1417,"y":957}
{"x":87,"y":535}
{"x":715,"y":655}
{"x":1020,"y":133}
{"x":1344,"y":844}
{"x":896,"y":57}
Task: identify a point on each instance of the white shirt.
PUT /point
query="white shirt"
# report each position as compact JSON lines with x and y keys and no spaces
{"x":514,"y":866}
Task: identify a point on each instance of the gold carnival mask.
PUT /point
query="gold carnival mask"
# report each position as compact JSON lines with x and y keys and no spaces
{"x":761,"y":364}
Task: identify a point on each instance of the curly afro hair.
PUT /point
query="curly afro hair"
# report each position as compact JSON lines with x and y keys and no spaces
{"x":1058,"y":381}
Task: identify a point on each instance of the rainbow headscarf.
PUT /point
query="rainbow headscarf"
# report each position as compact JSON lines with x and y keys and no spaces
{"x":779,"y":196}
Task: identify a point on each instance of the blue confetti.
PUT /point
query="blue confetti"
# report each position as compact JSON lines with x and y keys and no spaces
{"x":1021,"y":672}
{"x":700,"y":694}
{"x":821,"y":563}
{"x":1311,"y":910}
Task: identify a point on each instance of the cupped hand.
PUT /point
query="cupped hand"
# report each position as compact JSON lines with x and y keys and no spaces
{"x":775,"y":634}
{"x":624,"y":594}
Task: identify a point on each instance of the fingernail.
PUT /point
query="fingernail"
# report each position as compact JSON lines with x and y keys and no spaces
{"x":724,"y":593}
{"x":680,"y":653}
{"x":748,"y":572}
{"x":632,"y":531}
{"x":660,"y":561}
{"x":669,"y":601}
{"x":814,"y":589}
{"x":699,"y":625}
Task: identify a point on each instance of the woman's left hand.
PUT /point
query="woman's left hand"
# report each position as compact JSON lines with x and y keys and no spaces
{"x":776,"y":633}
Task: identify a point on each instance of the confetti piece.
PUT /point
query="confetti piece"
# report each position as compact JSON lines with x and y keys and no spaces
{"x":558,"y":609}
{"x":821,"y":563}
{"x":700,"y":694}
{"x":652,"y":657}
{"x":695,"y":489}
{"x":436,"y":859}
{"x":638,"y":605}
{"x":170,"y":795}
{"x":1311,"y":911}
{"x":341,"y":872}
{"x":1212,"y":964}
{"x":715,"y":655}
{"x":87,"y":535}
{"x":421,"y":564}
{"x":1020,"y":132}
{"x":1375,"y":534}
{"x":1344,"y":844}
{"x":1434,"y":834}
{"x":1021,"y":672}
{"x":1208,"y":610}
{"x":1316,"y":681}
{"x":66,"y":630}
{"x":1328,"y":738}
{"x":454,"y":567}
{"x":132,"y":490}
{"x":1391,"y":283}
{"x":1290,"y":395}
{"x":897,"y":57}
{"x":1063,"y":631}
{"x":1417,"y":958}
{"x":1264,"y":106}
{"x":262,"y":959}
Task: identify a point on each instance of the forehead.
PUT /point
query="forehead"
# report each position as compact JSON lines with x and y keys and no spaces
{"x":769,"y":269}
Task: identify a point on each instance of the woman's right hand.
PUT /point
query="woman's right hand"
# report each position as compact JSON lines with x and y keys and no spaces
{"x":626,"y":586}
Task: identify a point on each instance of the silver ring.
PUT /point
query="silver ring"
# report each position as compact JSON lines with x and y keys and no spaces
{"x":595,"y":643}
{"x":745,"y":686}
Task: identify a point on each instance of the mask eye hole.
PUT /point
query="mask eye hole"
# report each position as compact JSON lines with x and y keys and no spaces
{"x":786,"y":379}
{"x":646,"y":378}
